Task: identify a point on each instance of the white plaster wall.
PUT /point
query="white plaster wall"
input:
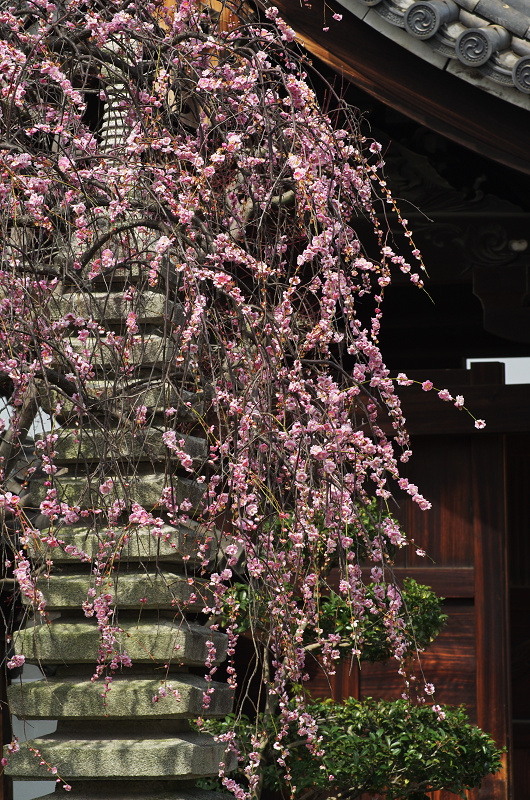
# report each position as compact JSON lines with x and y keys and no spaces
{"x":30,"y":729}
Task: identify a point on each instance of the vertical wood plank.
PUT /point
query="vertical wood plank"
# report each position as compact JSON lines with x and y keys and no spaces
{"x":491,"y":602}
{"x":518,"y":503}
{"x":441,"y":467}
{"x":345,"y":682}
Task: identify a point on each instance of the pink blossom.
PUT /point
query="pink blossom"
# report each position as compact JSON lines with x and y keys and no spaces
{"x":16,"y":661}
{"x":243,"y":212}
{"x":106,"y":487}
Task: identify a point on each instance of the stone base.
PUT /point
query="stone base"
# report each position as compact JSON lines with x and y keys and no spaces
{"x":187,"y":756}
{"x":115,"y":790}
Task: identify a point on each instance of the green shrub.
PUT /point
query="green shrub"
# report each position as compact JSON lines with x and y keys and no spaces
{"x":391,"y":748}
{"x":424,"y":619}
{"x":395,"y":749}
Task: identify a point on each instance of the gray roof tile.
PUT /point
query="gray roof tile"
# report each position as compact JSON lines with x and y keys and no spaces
{"x":489,"y":35}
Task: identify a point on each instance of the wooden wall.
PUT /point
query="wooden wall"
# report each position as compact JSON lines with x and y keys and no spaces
{"x":477,"y":516}
{"x":518,"y":496}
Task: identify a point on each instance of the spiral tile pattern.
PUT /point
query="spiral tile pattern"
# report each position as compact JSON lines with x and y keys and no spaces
{"x":474,"y":48}
{"x":521,"y":74}
{"x":422,"y":20}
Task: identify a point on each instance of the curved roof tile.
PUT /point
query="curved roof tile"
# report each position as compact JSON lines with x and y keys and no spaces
{"x":477,"y":38}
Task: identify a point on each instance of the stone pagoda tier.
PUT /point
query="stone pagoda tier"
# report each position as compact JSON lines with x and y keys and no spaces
{"x":130,"y":736}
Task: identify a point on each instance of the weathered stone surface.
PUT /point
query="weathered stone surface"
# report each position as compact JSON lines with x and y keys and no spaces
{"x":176,"y":545}
{"x":123,"y":445}
{"x":115,"y":398}
{"x":144,"y":352}
{"x":186,"y":756}
{"x":167,"y":642}
{"x":110,"y":307}
{"x":143,"y":489}
{"x":147,"y":591}
{"x":128,"y":698}
{"x":122,"y":745}
{"x":139,"y":791}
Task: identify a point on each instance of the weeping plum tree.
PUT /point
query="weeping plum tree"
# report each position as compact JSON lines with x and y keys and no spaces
{"x":175,"y":158}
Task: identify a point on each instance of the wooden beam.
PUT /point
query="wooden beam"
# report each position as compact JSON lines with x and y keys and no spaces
{"x":449,"y":582}
{"x":505,"y":408}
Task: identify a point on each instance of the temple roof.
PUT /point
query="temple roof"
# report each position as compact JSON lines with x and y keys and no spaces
{"x":472,"y":39}
{"x":458,"y":67}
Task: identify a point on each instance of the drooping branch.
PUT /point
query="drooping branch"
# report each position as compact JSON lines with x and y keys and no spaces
{"x":183,"y":284}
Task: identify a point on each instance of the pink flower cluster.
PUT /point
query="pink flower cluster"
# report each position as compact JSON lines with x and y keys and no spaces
{"x":235,"y":201}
